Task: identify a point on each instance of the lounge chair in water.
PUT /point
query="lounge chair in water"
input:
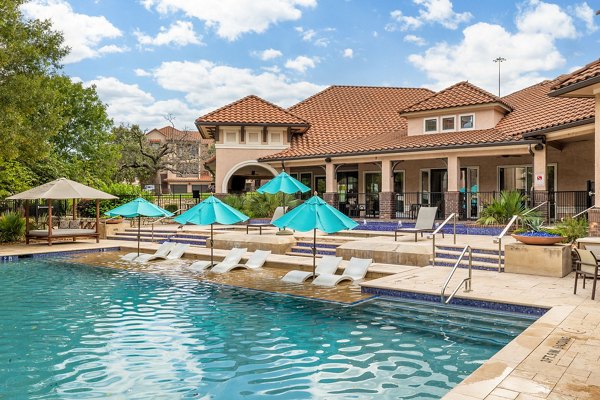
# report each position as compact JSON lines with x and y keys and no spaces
{"x":356,"y":270}
{"x":425,"y":222}
{"x":327,"y":265}
{"x":175,"y":253}
{"x":232,"y":258}
{"x":256,"y":261}
{"x":162,"y":251}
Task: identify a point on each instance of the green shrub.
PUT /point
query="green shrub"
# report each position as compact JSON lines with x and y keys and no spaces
{"x":171,"y":207}
{"x":573,"y":228}
{"x":12,"y":227}
{"x":125,"y":193}
{"x":237,"y":202}
{"x":501,"y":210}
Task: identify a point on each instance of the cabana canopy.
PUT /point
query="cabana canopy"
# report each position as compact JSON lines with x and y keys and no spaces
{"x":62,"y":189}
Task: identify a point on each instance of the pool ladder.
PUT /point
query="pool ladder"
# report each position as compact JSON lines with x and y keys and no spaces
{"x":466,"y":281}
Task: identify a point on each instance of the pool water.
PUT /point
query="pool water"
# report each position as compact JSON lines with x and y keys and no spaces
{"x":74,"y":331}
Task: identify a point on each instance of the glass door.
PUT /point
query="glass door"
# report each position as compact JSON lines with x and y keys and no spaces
{"x":348,"y":192}
{"x":372,"y":189}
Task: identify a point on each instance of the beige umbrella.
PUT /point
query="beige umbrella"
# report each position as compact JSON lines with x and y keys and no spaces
{"x":61,"y":189}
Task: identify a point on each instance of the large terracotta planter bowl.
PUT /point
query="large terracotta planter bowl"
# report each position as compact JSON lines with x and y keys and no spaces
{"x":539,"y":240}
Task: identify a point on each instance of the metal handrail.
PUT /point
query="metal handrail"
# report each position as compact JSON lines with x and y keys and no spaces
{"x":583,"y":212}
{"x":499,"y":240}
{"x":159,"y":220}
{"x":438,"y":229}
{"x":467,"y":281}
{"x":535,"y":208}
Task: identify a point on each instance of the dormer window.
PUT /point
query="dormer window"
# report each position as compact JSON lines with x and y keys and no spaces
{"x":449,"y":123}
{"x":253,"y":137}
{"x":231,"y":137}
{"x":467,"y":121}
{"x":430,"y":125}
{"x":276,"y":138}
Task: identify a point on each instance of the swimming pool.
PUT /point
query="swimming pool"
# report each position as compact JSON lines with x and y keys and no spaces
{"x":75,"y":331}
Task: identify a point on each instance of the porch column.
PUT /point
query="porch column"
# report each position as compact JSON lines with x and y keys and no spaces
{"x":540,"y":178}
{"x":330,"y":195}
{"x":387,"y":204}
{"x":594,"y":213}
{"x":452,"y":196}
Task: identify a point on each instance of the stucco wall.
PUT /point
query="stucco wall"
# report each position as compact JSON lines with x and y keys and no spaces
{"x":228,"y":158}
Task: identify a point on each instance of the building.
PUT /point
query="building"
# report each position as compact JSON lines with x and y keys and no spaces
{"x":384,"y":152}
{"x":189,"y":171}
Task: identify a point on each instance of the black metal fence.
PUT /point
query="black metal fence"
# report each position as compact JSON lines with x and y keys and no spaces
{"x":359,"y":205}
{"x":409,"y":203}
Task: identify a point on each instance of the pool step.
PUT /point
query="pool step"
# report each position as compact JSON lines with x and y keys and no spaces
{"x":456,"y":322}
{"x":161,"y":236}
{"x":304,"y":248}
{"x":484,"y":258}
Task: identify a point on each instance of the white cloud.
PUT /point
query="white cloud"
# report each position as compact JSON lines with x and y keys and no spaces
{"x":585,"y":13}
{"x":208,"y":85}
{"x":268,"y":54}
{"x":431,"y":11}
{"x":129,"y":104}
{"x":232,"y":18}
{"x":82,"y":33}
{"x":307,"y":35}
{"x":310,"y":35}
{"x":537,"y":17}
{"x":141,"y":72}
{"x":301,"y":63}
{"x":419,"y":41}
{"x":180,"y":33}
{"x":348,"y":53}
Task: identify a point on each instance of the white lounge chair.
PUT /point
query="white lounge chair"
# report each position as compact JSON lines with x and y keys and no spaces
{"x":232,"y":258}
{"x":162,"y":250}
{"x":174,"y":253}
{"x":356,"y":270}
{"x":256,"y":260}
{"x":425,"y":223}
{"x":327,"y":265}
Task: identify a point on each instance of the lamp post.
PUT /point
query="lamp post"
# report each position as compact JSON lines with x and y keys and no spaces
{"x":499,"y":60}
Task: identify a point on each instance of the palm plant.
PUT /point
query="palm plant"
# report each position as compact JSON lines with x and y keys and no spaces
{"x":572,"y":228}
{"x":237,"y":202}
{"x":12,"y":227}
{"x":501,"y":210}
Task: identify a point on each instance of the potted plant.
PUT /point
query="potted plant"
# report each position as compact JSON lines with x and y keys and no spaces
{"x":536,"y":234}
{"x":501,"y":210}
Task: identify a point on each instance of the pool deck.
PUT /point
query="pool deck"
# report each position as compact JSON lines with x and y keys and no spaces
{"x":558,"y":357}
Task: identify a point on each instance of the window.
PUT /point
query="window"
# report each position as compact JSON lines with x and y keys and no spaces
{"x":253,"y":137}
{"x":230,"y":137}
{"x":276,"y":137}
{"x":467,"y":121}
{"x":430,"y":125}
{"x":399,"y":182}
{"x":178,"y":189}
{"x":448,"y":123}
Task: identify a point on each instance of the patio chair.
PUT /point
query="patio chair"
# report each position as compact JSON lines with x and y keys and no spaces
{"x":231,"y":259}
{"x":587,"y":267}
{"x":327,"y":265}
{"x":256,"y":261}
{"x":425,"y":222}
{"x":175,"y":253}
{"x":162,"y":251}
{"x":356,"y":270}
{"x":278,"y":213}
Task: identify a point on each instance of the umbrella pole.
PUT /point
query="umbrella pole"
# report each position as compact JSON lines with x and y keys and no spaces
{"x":211,"y":245}
{"x":314,"y":251}
{"x":139,"y":233}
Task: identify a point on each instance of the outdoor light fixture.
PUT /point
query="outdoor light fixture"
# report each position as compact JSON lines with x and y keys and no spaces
{"x":328,"y":160}
{"x":539,"y":147}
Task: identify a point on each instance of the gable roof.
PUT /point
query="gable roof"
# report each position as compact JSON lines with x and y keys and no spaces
{"x":251,"y":110}
{"x":458,"y":95}
{"x":172,"y":133}
{"x":587,"y":75}
{"x":534,"y":112}
{"x":341,"y":113}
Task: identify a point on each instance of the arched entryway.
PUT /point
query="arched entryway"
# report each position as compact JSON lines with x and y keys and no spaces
{"x":247,"y":176}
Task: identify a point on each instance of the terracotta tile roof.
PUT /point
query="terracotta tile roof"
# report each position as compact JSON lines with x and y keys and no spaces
{"x":533,"y":110}
{"x":458,"y":95}
{"x":174,"y":134}
{"x":589,"y":71}
{"x":341,"y":113}
{"x":251,"y":110}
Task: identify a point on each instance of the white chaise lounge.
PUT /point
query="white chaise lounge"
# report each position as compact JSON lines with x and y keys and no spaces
{"x":256,"y":260}
{"x":232,"y":258}
{"x":175,"y":253}
{"x":162,"y":250}
{"x":327,"y":265}
{"x":356,"y":270}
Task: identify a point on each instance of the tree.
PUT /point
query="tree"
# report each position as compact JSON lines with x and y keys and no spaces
{"x":144,"y":161}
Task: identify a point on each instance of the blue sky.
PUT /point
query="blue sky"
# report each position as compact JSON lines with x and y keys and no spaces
{"x":150,"y":58}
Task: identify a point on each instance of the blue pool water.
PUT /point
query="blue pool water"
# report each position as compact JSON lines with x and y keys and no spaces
{"x":71,"y":331}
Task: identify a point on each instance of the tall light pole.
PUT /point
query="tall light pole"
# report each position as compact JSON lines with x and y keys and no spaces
{"x":499,"y":60}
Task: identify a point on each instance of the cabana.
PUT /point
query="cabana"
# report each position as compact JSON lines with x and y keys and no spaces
{"x":61,"y":189}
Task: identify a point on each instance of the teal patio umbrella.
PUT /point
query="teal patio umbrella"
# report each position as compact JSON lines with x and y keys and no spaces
{"x":138,"y":208}
{"x":315,"y":214}
{"x":209,"y":212}
{"x":283,"y":183}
